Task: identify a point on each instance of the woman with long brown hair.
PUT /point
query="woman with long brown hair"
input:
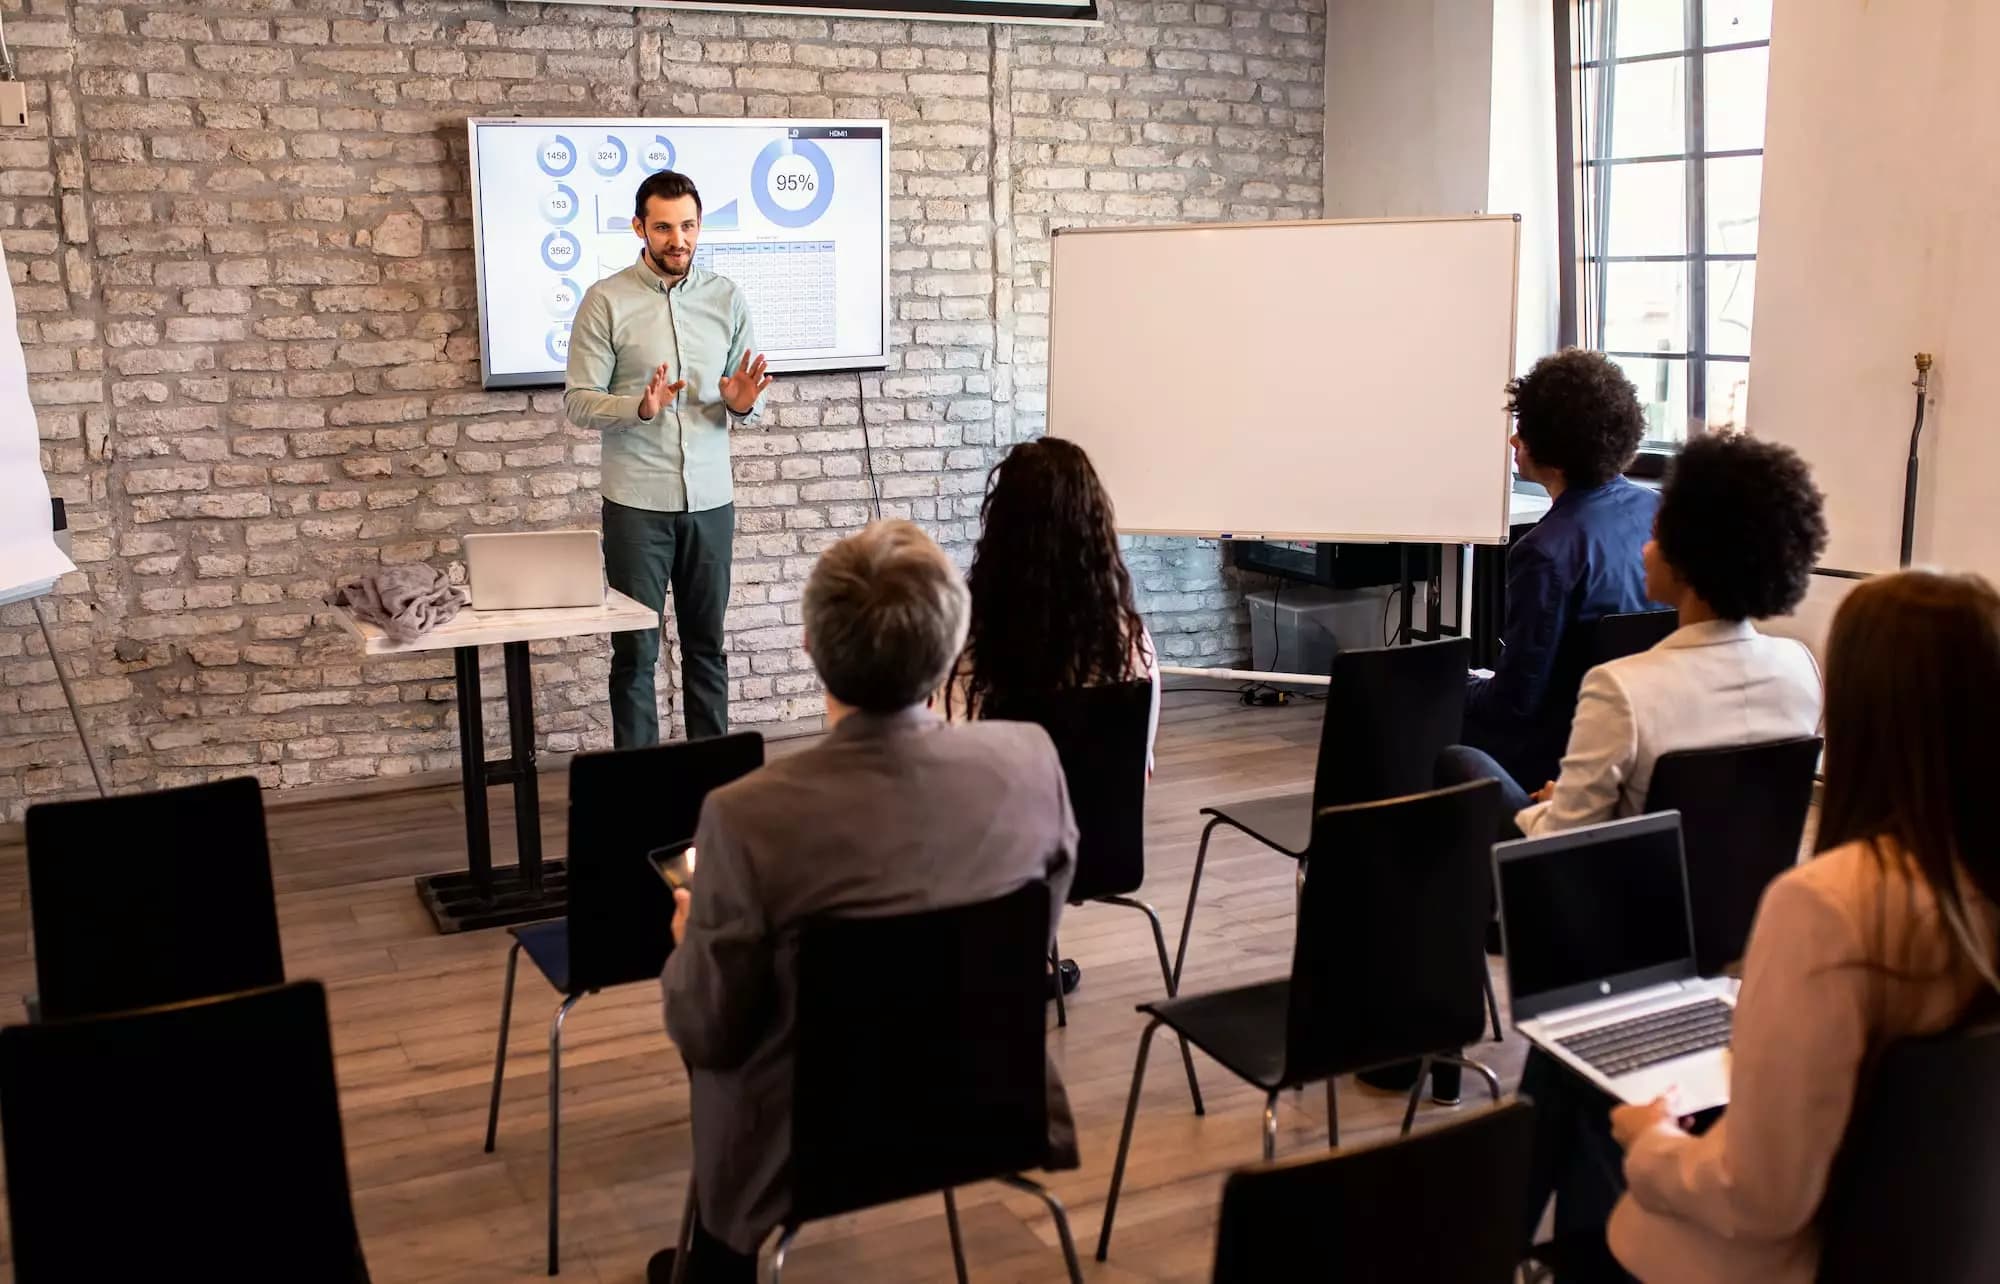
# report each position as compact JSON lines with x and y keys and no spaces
{"x":1052,"y":604}
{"x":1889,"y":932}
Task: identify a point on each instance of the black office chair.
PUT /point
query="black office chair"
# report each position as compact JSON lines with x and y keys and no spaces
{"x":1743,"y":810}
{"x":1389,"y":963}
{"x":622,"y":805}
{"x":937,"y":1081}
{"x":1613,"y":637}
{"x":1100,"y":735}
{"x":1427,"y":1207}
{"x":1538,"y":755}
{"x":144,"y":899}
{"x":1912,"y":1193}
{"x":199,"y":1140}
{"x":1389,"y":712}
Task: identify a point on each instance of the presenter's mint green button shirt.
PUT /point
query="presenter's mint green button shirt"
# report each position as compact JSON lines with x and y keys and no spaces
{"x":626,"y":325}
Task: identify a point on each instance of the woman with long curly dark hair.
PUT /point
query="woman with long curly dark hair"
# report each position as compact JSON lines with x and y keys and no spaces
{"x":1051,"y":599}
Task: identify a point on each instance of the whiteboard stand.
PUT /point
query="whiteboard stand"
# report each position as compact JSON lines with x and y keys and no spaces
{"x":1190,"y":440}
{"x":69,"y":695}
{"x":34,"y":593}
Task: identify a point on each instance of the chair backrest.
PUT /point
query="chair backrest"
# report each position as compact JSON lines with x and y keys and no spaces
{"x":1100,"y":734}
{"x":200,"y":1138}
{"x":144,"y":899}
{"x":623,"y":804}
{"x":1584,"y":645}
{"x":1743,"y":810}
{"x":1913,"y":1191}
{"x":1442,"y":1204}
{"x":1389,"y":712}
{"x":1390,"y":959}
{"x":1613,"y":637}
{"x":920,"y":1058}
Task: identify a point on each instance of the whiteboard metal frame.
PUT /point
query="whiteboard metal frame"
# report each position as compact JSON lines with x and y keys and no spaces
{"x":1335,"y":537}
{"x":792,"y":366}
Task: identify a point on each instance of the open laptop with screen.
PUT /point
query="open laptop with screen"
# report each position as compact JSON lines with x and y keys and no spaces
{"x":1599,"y":942}
{"x":528,"y":570}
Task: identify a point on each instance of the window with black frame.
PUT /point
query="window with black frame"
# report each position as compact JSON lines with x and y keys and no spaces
{"x":1663,"y":128}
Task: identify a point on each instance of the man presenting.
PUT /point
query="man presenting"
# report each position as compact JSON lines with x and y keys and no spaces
{"x":663,"y":363}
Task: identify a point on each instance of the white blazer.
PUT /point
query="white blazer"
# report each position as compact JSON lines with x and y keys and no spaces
{"x":1704,"y":686}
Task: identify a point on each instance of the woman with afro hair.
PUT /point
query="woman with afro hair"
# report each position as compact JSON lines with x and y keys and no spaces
{"x":1739,"y":528}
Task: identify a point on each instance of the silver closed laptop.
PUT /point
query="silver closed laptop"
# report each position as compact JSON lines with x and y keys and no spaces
{"x":1599,"y":940}
{"x":524,"y":570}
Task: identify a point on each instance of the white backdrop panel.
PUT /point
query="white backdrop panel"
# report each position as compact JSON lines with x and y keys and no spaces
{"x":1321,"y":380}
{"x":30,"y":562}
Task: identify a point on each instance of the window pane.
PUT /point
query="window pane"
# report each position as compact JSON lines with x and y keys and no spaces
{"x":1647,"y":105}
{"x":1728,"y":393}
{"x":1663,"y":393}
{"x":1732,"y":288}
{"x":1734,"y":186}
{"x":1648,"y":208}
{"x":1649,"y":26}
{"x":1733,"y":115}
{"x":1730,"y":22}
{"x":1645,"y":307}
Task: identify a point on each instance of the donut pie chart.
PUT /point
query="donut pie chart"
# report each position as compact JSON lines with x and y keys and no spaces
{"x":760,"y":182}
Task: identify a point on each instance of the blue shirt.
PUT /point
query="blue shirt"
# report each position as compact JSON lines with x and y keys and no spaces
{"x":1580,"y":562}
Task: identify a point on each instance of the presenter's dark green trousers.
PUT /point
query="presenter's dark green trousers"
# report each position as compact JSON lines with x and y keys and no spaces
{"x":644,"y":553}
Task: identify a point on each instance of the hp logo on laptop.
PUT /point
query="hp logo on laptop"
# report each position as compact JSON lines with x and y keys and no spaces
{"x":1604,"y":987}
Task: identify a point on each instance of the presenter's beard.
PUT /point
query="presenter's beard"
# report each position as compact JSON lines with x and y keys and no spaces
{"x":665,"y":267}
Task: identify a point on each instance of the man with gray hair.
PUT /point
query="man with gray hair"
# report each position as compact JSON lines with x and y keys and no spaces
{"x":895,"y":811}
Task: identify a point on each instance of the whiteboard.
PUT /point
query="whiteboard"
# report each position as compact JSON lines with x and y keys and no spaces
{"x":1327,"y":380}
{"x":30,"y":562}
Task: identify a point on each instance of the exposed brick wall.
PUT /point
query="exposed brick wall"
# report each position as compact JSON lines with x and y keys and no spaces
{"x":240,"y":242}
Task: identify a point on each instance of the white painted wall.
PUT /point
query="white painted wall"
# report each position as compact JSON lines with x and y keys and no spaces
{"x":1408,"y":106}
{"x":1881,"y":238}
{"x":1448,"y":107}
{"x":1521,"y":165}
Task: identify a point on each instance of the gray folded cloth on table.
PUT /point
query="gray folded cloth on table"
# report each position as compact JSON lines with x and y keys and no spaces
{"x":406,"y":602}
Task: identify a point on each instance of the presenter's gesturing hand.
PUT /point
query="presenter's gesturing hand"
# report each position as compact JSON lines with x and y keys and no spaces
{"x":660,"y":389}
{"x":741,"y":390}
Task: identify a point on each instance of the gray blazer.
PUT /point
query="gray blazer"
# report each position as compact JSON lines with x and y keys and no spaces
{"x":890,"y":814}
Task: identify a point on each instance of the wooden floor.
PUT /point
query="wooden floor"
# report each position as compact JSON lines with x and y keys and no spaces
{"x":415,"y":1015}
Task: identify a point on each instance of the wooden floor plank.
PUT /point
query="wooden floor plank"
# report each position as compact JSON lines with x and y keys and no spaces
{"x":415,"y":1016}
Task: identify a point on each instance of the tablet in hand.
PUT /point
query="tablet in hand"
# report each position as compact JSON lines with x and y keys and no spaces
{"x":676,"y":864}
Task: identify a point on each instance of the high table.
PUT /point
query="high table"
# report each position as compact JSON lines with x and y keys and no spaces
{"x":533,"y":889}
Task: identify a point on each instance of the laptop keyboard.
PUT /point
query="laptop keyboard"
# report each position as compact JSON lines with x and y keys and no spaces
{"x":1658,"y":1036}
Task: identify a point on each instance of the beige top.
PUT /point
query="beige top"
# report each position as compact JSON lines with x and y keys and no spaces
{"x":1703,"y":686}
{"x":1844,"y":959}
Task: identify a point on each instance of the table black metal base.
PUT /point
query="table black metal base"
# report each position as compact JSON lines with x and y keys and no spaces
{"x":457,"y":904}
{"x":483,"y":896}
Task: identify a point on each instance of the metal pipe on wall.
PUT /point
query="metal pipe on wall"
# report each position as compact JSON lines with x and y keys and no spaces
{"x":1923,"y":387}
